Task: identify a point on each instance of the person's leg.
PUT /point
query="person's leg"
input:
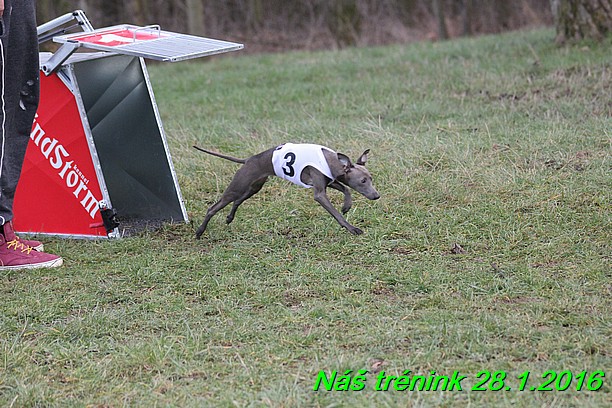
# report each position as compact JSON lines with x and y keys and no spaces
{"x":19,"y":93}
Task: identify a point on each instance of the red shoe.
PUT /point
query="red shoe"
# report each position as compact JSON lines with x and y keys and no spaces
{"x":15,"y":255}
{"x":9,"y":234}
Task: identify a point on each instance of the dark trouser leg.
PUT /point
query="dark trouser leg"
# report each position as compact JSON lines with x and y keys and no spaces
{"x":19,"y":89}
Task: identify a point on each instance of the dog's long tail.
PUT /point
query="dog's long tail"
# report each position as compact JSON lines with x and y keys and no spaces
{"x":235,"y":160}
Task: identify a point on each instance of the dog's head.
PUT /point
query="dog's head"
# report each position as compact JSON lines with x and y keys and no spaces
{"x":357,"y":176}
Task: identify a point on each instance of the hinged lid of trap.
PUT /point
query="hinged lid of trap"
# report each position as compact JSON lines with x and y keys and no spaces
{"x":149,"y":42}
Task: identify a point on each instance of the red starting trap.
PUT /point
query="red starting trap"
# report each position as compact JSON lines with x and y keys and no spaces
{"x":98,"y":163}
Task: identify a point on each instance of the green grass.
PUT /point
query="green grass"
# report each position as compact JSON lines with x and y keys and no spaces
{"x":498,"y":144}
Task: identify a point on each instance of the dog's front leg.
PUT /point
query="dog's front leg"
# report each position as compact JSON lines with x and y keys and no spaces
{"x":348,"y":201}
{"x":321,"y":197}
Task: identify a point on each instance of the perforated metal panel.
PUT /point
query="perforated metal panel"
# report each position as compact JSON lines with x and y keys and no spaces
{"x":149,"y":42}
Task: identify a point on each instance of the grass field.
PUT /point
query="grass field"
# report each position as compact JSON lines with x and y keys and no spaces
{"x":489,"y":251}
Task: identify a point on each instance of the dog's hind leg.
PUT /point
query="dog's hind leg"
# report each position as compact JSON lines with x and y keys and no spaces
{"x":215,"y":208}
{"x":253,"y":189}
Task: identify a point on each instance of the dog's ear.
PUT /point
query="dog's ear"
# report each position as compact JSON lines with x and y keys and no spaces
{"x":346,"y":162}
{"x":363,"y":158}
{"x":338,"y":163}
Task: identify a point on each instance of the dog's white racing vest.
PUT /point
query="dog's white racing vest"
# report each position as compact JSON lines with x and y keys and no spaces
{"x":289,"y":160}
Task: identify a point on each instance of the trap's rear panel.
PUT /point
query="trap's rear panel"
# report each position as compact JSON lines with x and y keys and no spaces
{"x":129,"y":139}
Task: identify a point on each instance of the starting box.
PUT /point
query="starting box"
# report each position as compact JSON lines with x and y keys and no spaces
{"x":98,"y":163}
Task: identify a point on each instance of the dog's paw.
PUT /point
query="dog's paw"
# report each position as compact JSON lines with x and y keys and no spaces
{"x":355,"y":230}
{"x":199,"y":233}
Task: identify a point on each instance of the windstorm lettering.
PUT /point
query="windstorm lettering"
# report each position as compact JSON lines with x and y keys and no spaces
{"x":59,"y":158}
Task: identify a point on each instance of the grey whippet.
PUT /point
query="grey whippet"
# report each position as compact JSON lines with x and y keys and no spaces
{"x":304,"y":164}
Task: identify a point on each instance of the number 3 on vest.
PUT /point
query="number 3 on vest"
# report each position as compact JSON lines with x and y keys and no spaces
{"x":288,"y":167}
